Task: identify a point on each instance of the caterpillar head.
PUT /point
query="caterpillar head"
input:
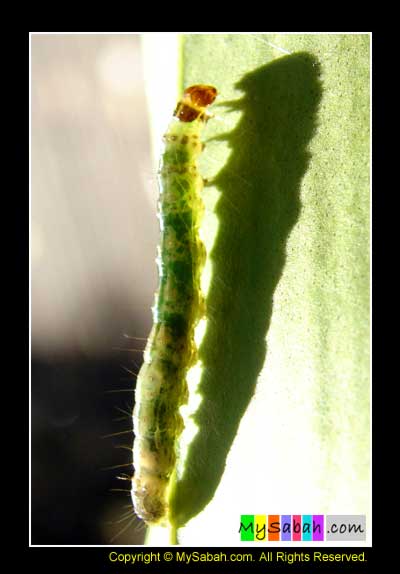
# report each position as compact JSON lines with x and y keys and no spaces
{"x":194,"y":102}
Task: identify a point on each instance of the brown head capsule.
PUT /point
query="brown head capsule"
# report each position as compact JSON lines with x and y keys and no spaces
{"x":194,"y":102}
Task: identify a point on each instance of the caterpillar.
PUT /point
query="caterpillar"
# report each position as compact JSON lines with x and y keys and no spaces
{"x":170,"y":351}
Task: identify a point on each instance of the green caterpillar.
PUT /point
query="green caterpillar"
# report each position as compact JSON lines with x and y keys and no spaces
{"x":171,"y":351}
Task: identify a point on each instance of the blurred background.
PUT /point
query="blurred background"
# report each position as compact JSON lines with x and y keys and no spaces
{"x":93,"y":276}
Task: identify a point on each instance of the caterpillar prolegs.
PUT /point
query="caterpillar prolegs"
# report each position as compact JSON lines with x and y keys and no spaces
{"x":170,"y":352}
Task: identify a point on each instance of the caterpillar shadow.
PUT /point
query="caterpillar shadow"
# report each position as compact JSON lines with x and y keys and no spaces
{"x":256,"y":212}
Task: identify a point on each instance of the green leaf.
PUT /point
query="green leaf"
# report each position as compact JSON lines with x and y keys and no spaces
{"x":283,"y":421}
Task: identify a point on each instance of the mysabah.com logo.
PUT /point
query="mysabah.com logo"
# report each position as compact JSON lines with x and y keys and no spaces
{"x":301,"y":527}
